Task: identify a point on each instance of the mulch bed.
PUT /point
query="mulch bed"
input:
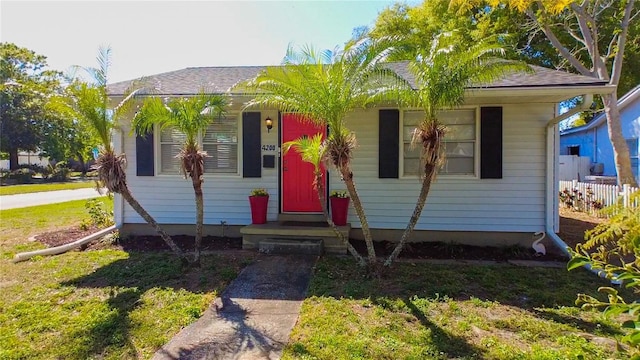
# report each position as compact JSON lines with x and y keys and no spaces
{"x":64,"y":236}
{"x":439,"y":250}
{"x":186,"y":243}
{"x":572,"y":228}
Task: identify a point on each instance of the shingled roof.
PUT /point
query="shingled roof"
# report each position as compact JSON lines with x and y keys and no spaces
{"x":190,"y":81}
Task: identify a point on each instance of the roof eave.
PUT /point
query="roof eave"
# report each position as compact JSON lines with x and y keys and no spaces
{"x":624,"y":101}
{"x":561,"y":91}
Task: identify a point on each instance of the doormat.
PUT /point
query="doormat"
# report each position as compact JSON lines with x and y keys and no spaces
{"x":304,"y":223}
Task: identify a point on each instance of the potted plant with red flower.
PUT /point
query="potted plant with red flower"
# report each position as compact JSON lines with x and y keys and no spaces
{"x":259,"y":199}
{"x":339,"y":202}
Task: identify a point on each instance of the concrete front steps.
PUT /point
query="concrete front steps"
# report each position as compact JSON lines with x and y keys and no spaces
{"x":294,"y":234}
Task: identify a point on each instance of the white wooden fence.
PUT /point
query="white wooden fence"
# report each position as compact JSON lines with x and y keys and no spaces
{"x":592,"y":197}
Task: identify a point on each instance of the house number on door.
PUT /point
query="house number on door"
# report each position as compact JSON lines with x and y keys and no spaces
{"x":268,"y":148}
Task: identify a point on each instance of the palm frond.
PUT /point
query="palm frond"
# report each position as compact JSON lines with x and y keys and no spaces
{"x":311,"y":149}
{"x":326,"y":85}
{"x":191,"y":116}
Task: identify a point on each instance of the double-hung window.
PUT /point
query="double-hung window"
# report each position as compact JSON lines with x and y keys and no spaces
{"x":459,"y":142}
{"x":220,"y":141}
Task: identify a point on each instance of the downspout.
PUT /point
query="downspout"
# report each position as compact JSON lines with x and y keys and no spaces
{"x":551,"y":186}
{"x":551,"y":203}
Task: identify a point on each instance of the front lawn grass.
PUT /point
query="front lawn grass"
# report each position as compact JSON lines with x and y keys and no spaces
{"x":34,"y":188}
{"x":426,"y":311}
{"x":99,"y":304}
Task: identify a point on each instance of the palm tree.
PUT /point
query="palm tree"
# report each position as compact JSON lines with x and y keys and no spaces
{"x":191,"y":116}
{"x":325,"y":87}
{"x":312,"y":150}
{"x":443,"y":72}
{"x":89,"y":103}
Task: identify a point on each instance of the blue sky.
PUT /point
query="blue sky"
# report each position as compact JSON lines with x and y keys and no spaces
{"x":150,"y":37}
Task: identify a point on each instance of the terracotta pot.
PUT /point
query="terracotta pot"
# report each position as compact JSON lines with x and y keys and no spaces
{"x":258,"y":209}
{"x":339,"y":210}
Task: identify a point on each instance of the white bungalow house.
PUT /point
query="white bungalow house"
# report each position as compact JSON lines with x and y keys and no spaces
{"x":498,"y":187}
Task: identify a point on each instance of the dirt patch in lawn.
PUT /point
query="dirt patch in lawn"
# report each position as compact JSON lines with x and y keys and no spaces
{"x":574,"y":224}
{"x":572,"y":228}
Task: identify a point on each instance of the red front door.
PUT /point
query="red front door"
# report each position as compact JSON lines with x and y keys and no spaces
{"x":298,"y":194}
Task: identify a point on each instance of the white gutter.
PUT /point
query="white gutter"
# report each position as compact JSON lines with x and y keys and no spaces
{"x":553,"y":144}
{"x":551,"y":203}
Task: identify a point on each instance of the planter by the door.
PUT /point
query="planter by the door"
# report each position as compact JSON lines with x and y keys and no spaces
{"x":259,"y":209}
{"x":339,"y":209}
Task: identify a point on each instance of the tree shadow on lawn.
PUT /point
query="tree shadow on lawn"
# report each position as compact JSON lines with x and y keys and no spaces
{"x":129,"y":279}
{"x":538,"y":291}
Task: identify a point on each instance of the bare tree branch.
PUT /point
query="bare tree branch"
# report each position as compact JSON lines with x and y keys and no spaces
{"x":622,"y":39}
{"x":564,"y":52}
{"x":601,"y":8}
{"x":573,"y":34}
{"x":611,"y":46}
{"x":587,"y":29}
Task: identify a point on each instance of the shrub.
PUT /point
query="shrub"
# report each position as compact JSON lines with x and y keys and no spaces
{"x":613,"y":248}
{"x":576,"y":200}
{"x":60,"y":172}
{"x":98,"y":215}
{"x":21,"y":176}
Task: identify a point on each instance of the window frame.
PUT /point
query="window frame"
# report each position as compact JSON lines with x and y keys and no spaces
{"x":158,"y":152}
{"x":476,"y":148}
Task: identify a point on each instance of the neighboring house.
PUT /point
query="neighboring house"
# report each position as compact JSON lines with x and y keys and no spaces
{"x":499,"y":185}
{"x":27,"y":158}
{"x":592,"y":140}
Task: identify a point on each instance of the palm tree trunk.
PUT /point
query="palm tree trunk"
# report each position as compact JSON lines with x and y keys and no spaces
{"x":135,"y":205}
{"x":325,"y":211}
{"x":417,"y":211}
{"x":347,"y":177}
{"x":621,"y":156}
{"x":197,"y":188}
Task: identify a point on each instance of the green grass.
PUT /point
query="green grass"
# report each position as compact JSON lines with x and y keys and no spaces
{"x":423,"y":311}
{"x":110,"y":304}
{"x":34,"y":188}
{"x":105,"y":304}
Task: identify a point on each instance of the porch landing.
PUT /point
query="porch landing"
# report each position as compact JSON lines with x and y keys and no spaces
{"x":293,"y":236}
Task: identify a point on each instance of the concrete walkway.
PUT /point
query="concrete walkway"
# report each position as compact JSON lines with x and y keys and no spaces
{"x":47,"y":197}
{"x":253,"y":317}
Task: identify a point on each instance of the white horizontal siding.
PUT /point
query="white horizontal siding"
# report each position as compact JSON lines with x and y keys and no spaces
{"x":170,"y":198}
{"x":513,"y":203}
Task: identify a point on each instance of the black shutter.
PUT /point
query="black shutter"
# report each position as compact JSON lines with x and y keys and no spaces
{"x":144,"y":155}
{"x":388,"y":144}
{"x":491,"y":143}
{"x":251,"y":160}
